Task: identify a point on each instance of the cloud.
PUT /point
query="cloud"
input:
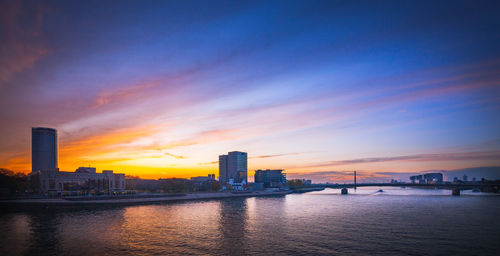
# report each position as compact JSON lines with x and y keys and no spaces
{"x":21,"y":31}
{"x":461,"y":156}
{"x":174,"y":156}
{"x":124,"y":93}
{"x":337,"y":176}
{"x":209,"y":163}
{"x":208,"y":136}
{"x":256,"y":157}
{"x":276,"y":155}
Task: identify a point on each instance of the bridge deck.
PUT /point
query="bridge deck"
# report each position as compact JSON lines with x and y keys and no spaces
{"x":441,"y":186}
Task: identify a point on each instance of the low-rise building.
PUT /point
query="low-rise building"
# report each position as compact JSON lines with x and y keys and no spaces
{"x":270,"y":178}
{"x":84,"y":179}
{"x":199,"y":179}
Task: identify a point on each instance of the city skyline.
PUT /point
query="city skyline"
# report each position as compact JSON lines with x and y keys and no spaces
{"x":310,"y":90}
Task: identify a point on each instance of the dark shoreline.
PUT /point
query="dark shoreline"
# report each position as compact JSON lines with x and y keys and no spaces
{"x":143,"y":200}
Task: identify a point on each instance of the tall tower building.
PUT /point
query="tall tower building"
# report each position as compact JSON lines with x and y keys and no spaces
{"x":237,"y":166}
{"x":233,"y":166}
{"x":43,"y":148}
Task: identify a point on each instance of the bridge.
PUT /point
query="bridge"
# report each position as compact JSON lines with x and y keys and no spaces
{"x":455,"y":188}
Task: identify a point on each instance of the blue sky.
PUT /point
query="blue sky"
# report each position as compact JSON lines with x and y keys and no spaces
{"x":161,"y":88}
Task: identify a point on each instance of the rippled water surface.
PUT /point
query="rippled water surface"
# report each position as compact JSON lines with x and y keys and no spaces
{"x":393,"y":222}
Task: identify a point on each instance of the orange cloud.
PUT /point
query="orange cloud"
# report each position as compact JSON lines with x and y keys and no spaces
{"x":96,"y":143}
{"x":124,"y":93}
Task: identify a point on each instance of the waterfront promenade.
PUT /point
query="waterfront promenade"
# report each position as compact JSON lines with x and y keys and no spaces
{"x":135,"y":200}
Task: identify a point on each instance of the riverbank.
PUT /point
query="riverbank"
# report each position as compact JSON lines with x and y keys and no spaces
{"x":305,"y":190}
{"x":136,"y":200}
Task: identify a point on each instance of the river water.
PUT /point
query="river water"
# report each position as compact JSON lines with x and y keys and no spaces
{"x":396,"y":221}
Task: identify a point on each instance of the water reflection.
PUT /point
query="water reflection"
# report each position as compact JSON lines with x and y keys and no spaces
{"x":232,"y":227}
{"x":313,"y":223}
{"x":16,"y":229}
{"x":44,"y":235}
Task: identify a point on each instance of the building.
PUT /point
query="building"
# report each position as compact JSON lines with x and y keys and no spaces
{"x":233,"y":167}
{"x":46,"y":178}
{"x":433,"y":178}
{"x":270,"y":178}
{"x":43,"y":149}
{"x":210,"y":177}
{"x":223,"y":169}
{"x":428,"y":178}
{"x":84,"y":180}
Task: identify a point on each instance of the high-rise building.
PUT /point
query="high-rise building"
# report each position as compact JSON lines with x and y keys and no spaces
{"x":233,"y":167}
{"x":43,"y":149}
{"x":223,"y":169}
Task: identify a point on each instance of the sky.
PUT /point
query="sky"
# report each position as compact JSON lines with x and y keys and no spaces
{"x":159,"y":89}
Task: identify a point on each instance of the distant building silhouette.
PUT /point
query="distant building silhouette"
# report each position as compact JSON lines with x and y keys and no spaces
{"x":427,"y":178}
{"x":43,"y":149}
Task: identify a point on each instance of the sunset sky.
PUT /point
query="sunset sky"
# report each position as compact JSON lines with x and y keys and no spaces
{"x":319,"y":88}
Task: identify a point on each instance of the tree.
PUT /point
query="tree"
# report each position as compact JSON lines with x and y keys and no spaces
{"x":11,"y":182}
{"x":295,"y":183}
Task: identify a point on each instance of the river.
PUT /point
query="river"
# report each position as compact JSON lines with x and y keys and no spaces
{"x":366,"y":222}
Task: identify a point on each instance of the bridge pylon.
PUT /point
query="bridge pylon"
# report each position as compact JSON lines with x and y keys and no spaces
{"x":354,"y":180}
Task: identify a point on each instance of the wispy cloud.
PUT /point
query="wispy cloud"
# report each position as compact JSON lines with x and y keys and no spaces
{"x":209,"y":163}
{"x":337,"y":176}
{"x":459,"y":156}
{"x":174,"y":156}
{"x":276,"y":155}
{"x":256,"y":157}
{"x":21,"y":28}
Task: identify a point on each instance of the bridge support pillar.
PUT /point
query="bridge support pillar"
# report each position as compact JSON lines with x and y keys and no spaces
{"x":455,"y":191}
{"x":343,"y":191}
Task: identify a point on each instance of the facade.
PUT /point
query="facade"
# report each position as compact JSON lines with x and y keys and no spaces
{"x":43,"y":149}
{"x":83,"y":180}
{"x":237,"y":166}
{"x":223,"y":169}
{"x":427,"y":178}
{"x":270,"y":178}
{"x":233,"y":167}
